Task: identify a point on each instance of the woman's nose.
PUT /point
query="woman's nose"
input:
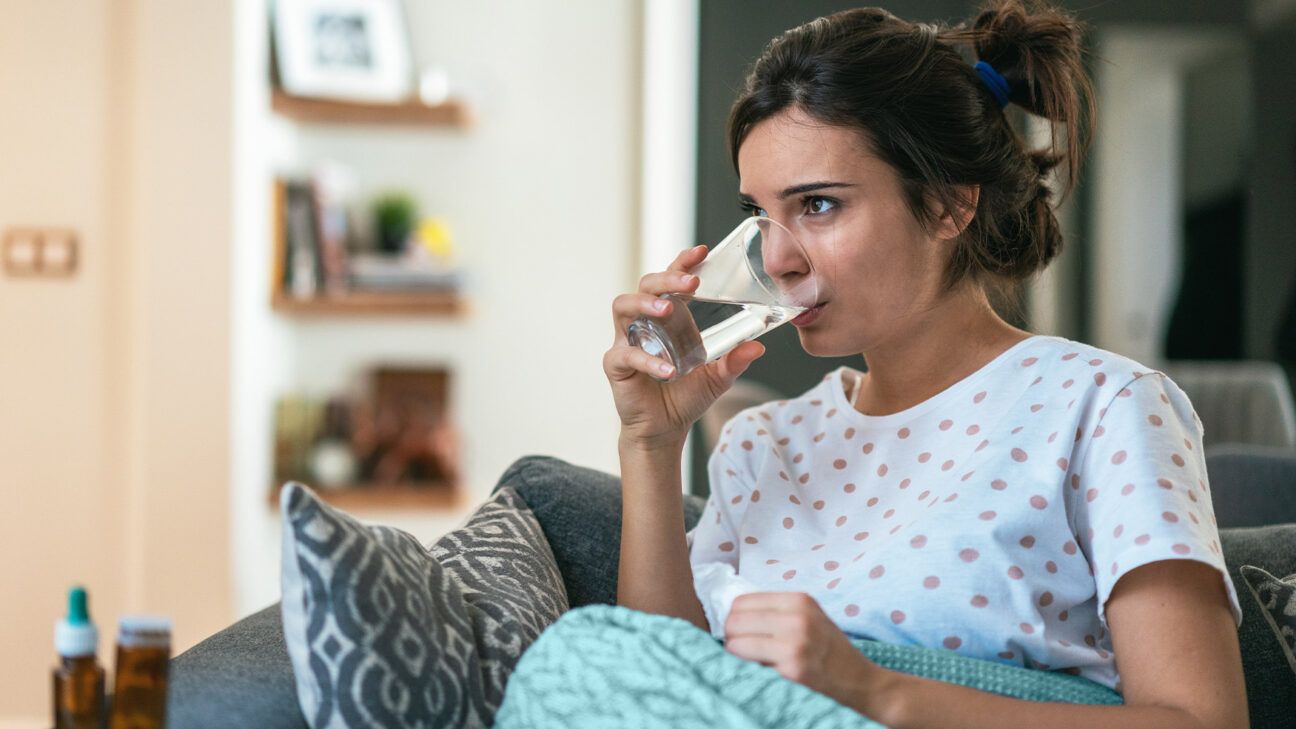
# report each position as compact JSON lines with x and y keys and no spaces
{"x":784,"y":256}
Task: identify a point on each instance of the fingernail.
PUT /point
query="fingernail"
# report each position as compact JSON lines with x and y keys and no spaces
{"x":665,"y":369}
{"x":689,"y":278}
{"x":659,"y":305}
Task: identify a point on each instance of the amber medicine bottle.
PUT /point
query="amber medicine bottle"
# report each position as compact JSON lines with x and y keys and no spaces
{"x":140,"y":676}
{"x":78,"y":679}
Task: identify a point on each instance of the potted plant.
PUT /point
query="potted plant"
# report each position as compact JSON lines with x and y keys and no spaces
{"x":395,"y":216}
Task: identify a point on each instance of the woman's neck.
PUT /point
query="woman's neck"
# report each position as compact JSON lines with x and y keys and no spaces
{"x":949,"y":343}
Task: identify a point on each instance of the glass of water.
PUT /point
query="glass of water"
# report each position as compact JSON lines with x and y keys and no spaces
{"x":755,"y":279}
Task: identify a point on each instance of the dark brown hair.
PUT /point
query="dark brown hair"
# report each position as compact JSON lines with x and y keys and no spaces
{"x":922,"y":107}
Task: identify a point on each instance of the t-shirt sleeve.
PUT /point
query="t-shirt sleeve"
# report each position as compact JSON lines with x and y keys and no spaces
{"x":714,"y":541}
{"x":1143,"y":493}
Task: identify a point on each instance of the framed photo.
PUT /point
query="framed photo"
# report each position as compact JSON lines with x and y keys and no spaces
{"x":355,"y":50}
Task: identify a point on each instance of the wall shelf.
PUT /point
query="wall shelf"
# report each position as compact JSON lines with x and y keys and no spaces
{"x":373,"y":304}
{"x":360,"y":497}
{"x":451,"y":113}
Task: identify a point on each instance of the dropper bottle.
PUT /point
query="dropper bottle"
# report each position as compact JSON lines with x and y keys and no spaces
{"x":79,"y":679}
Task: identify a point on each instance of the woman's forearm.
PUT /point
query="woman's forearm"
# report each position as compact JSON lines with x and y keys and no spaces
{"x":654,"y":574}
{"x":903,"y":701}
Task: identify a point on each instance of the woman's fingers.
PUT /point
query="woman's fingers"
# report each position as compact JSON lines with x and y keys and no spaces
{"x":730,"y":366}
{"x":628,"y":307}
{"x":667,"y":282}
{"x":623,"y":362}
{"x":688,"y":258}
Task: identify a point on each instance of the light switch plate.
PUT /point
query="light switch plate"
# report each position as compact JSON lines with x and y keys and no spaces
{"x":58,"y":252}
{"x":22,"y":255}
{"x":30,"y":251}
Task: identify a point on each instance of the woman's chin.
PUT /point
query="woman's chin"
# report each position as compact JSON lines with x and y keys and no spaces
{"x":819,"y":343}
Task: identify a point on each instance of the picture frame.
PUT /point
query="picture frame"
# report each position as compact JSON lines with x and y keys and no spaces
{"x":352,"y":50}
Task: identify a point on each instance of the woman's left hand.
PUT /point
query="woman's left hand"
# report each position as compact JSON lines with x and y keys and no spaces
{"x":789,"y":632}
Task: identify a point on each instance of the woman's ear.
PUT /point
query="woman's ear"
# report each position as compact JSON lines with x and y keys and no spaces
{"x":952,"y":222}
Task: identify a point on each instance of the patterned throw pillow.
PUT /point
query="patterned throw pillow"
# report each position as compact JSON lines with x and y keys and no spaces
{"x":383,"y":632}
{"x":1277,"y":599}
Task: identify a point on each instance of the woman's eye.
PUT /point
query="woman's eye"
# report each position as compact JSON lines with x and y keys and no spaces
{"x":819,"y":205}
{"x":754,"y":211}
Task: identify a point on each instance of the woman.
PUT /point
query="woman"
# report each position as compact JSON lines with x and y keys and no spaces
{"x":1016,"y":498}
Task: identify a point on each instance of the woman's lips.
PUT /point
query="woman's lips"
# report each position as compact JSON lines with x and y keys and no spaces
{"x":808,"y":317}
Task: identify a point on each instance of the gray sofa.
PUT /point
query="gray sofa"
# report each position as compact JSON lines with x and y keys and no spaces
{"x":241,"y":676}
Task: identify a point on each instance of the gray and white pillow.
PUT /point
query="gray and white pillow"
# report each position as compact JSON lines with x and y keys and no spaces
{"x":384,"y":632}
{"x":1277,"y":600}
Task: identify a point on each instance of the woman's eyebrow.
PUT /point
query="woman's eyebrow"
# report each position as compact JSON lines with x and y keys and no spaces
{"x":798,"y":189}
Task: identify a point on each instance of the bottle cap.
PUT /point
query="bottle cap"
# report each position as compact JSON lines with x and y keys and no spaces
{"x":144,"y":631}
{"x":75,"y":635}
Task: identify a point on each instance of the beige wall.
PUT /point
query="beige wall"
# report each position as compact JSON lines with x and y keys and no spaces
{"x":114,"y":384}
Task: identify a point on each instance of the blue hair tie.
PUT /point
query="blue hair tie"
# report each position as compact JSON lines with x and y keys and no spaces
{"x":997,"y":84}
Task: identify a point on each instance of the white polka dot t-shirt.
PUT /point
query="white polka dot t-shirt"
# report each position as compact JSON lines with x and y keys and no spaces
{"x":992,"y":519}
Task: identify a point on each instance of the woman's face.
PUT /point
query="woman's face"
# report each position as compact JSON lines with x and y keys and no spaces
{"x":879,"y":273}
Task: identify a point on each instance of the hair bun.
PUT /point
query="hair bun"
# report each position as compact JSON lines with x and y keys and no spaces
{"x":1036,"y":48}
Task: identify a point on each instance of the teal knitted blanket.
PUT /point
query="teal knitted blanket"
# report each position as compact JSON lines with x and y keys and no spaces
{"x":607,"y":666}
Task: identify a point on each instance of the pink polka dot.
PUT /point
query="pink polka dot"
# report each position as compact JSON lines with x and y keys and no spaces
{"x":789,"y":574}
{"x":986,"y":515}
{"x":1036,"y":381}
{"x":1006,"y":655}
{"x":830,"y":413}
{"x":1170,"y":516}
{"x":952,"y":642}
{"x":1063,"y":616}
{"x":804,"y":477}
{"x":1165,"y":399}
{"x":1100,"y":379}
{"x":1017,"y":430}
{"x":1029,"y":361}
{"x":973,"y":429}
{"x":1027,"y":541}
{"x":849,"y":488}
{"x":904,"y":484}
{"x":818,"y":505}
{"x":839,"y":464}
{"x":819,"y":436}
{"x":951,"y":497}
{"x":931,"y":582}
{"x":1114,"y":568}
{"x":1178,"y":459}
{"x":1039,"y":502}
{"x":726,"y":546}
{"x":1165,"y":483}
{"x":831,"y":565}
{"x":736,"y":500}
{"x":771,"y":561}
{"x":924,"y":456}
{"x":1119,"y":530}
{"x":1127,"y":489}
{"x":796,"y":419}
{"x":868,"y":448}
{"x":1046,"y":599}
{"x":969,"y":555}
{"x":1155,"y":420}
{"x":1098,"y":431}
{"x":787,"y":522}
{"x":833,"y":582}
{"x":852,"y":610}
{"x":882,"y":470}
{"x":1142,"y":539}
{"x":783,"y":475}
{"x":902,"y":433}
{"x":1027,"y":628}
{"x":1019,"y":455}
{"x":897,"y":616}
{"x":784,"y":441}
{"x":850,"y":433}
{"x":816,"y":548}
{"x":877,"y":572}
{"x":793,"y":498}
{"x":861,"y":536}
{"x":755,"y":496}
{"x":747,"y":445}
{"x":1052,"y":436}
{"x":1062,"y":464}
{"x":982,"y":445}
{"x":1036,"y":408}
{"x":840,"y":520}
{"x":980,"y":601}
{"x":1070,"y":355}
{"x":1181,"y":548}
{"x":1091,"y":494}
{"x":1067,"y":384}
{"x":998,"y":484}
{"x":946,"y":424}
{"x":918,"y":542}
{"x":923,"y":495}
{"x":979,"y":396}
{"x":1118,"y":457}
{"x":872,"y":501}
{"x":1069,"y":547}
{"x":888,"y":513}
{"x":751,"y":540}
{"x":947,"y":465}
{"x":896,"y":528}
{"x":1016,"y":572}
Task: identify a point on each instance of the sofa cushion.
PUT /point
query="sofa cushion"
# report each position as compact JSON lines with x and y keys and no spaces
{"x":1277,"y":598}
{"x":383,"y":632}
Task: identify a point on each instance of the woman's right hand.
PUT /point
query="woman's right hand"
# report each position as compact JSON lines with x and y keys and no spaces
{"x":657,"y":414}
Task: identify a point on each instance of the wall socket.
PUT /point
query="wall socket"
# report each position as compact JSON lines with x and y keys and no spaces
{"x":34,"y":251}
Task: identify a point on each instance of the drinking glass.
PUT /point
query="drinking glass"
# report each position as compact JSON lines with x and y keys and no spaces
{"x":755,"y":279}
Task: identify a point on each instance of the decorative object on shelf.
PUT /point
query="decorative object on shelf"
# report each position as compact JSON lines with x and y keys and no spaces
{"x":397,"y":436}
{"x":355,"y":50}
{"x":323,"y":266}
{"x":394,"y":216}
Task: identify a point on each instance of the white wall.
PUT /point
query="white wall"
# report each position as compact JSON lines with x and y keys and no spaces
{"x":542,"y":196}
{"x":1138,"y":202}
